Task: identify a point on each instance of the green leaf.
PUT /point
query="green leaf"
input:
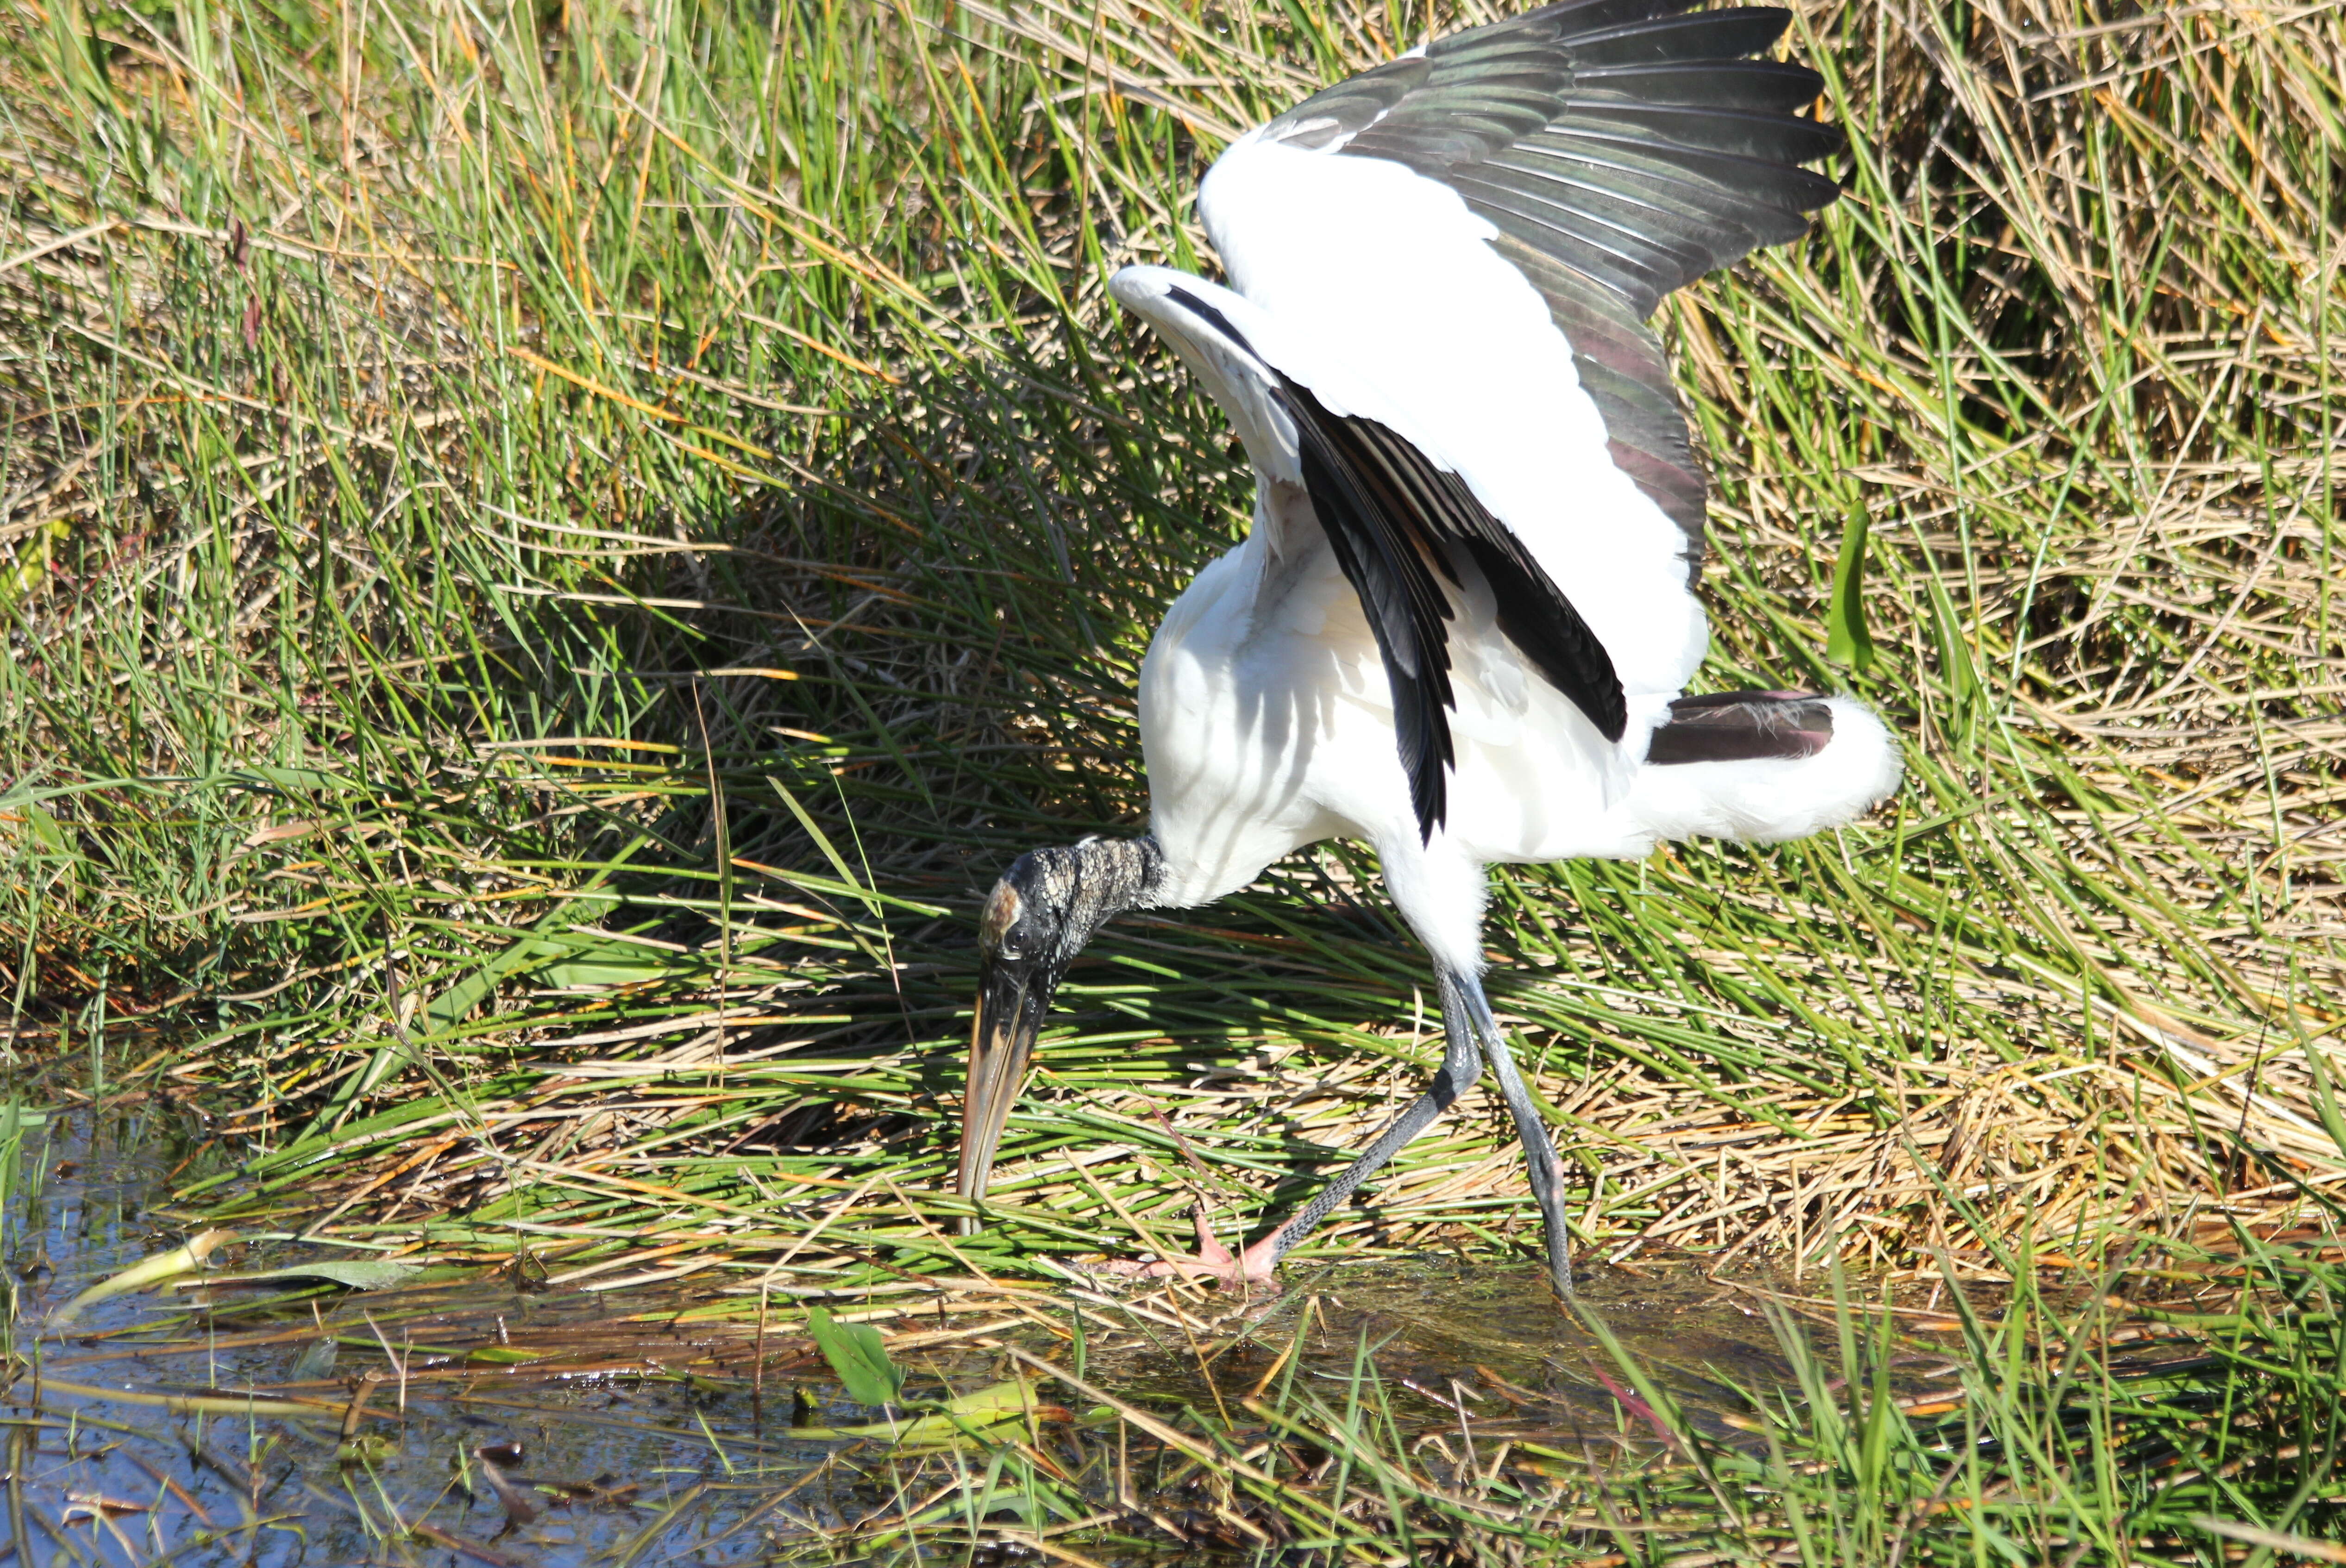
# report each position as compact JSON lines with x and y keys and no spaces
{"x":317,"y":1359}
{"x":858,"y":1356}
{"x":546,"y":941}
{"x":830,"y":851}
{"x":592,"y":960}
{"x":967,"y":1417}
{"x":358,"y":1273}
{"x":305,"y":780}
{"x":1967,"y":697}
{"x":368,"y":1449}
{"x":2325,"y":1099}
{"x":1847,"y":640}
{"x":44,"y":828}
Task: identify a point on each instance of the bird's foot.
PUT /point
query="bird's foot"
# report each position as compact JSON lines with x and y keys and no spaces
{"x":1249,"y":1269}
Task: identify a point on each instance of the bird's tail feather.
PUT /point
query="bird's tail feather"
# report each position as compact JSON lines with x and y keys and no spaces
{"x":1763,"y":767}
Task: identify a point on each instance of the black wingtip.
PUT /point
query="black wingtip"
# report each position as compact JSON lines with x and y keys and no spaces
{"x":1429,"y":795}
{"x":1611,"y":715}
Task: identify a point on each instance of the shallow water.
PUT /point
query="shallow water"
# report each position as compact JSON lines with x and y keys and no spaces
{"x":505,"y":1425}
{"x":607,"y":1433}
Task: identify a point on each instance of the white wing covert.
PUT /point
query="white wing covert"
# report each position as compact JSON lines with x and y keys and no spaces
{"x":1621,"y":150}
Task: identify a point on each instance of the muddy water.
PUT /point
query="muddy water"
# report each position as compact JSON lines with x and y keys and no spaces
{"x":210,"y":1423}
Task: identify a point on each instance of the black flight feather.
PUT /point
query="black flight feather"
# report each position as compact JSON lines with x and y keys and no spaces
{"x":1392,"y":519}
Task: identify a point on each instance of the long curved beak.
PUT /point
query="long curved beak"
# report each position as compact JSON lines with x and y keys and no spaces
{"x":1011,"y":1002}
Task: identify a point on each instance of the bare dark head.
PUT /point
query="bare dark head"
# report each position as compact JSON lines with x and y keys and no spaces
{"x":1037,"y":918}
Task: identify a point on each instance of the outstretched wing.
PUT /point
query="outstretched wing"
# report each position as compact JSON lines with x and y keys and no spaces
{"x":1622,"y":150}
{"x":1442,"y":268}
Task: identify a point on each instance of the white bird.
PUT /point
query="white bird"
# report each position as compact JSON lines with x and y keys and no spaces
{"x":1462,"y":624}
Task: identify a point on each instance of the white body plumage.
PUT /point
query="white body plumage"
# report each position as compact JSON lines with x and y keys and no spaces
{"x":1265,"y":711}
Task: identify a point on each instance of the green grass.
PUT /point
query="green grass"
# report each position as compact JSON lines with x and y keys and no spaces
{"x":554,"y":554}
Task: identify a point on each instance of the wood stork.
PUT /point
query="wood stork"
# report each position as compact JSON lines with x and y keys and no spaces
{"x":1462,"y":624}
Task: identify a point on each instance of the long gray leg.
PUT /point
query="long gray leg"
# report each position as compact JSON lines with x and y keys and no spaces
{"x":1462,"y":1063}
{"x":1539,"y":1153}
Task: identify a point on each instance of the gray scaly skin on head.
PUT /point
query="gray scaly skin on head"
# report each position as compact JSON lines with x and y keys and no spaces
{"x":1047,"y":906}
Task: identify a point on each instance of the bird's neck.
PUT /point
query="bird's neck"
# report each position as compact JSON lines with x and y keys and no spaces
{"x":1110,"y":876}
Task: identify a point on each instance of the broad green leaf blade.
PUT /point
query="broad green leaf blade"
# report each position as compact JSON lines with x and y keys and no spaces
{"x":358,"y":1273}
{"x":966,"y":1417}
{"x":858,"y":1356}
{"x":1847,"y":639}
